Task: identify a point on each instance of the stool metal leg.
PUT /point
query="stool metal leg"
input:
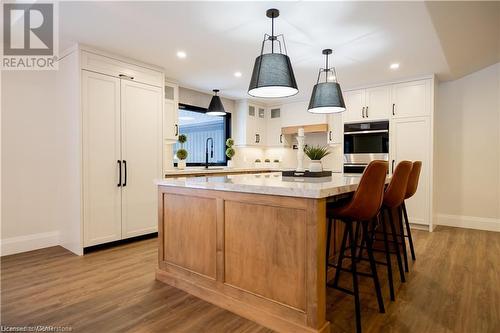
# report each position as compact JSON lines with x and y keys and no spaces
{"x":403,"y":239}
{"x":328,"y":240}
{"x":388,"y":259}
{"x":373,"y":267}
{"x":357,"y":305}
{"x":408,"y":232}
{"x":396,"y":245}
{"x":341,"y":257}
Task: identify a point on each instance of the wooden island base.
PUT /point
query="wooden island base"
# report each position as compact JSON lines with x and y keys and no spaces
{"x":259,"y":256}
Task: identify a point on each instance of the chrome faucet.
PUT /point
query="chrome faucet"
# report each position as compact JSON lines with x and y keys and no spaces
{"x":211,"y":151}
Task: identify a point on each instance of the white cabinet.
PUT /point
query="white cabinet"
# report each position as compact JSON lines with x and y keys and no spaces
{"x":368,"y":104}
{"x":274,"y":137}
{"x":141,"y":145}
{"x":335,"y":133}
{"x":122,"y":144}
{"x":171,"y":113}
{"x":412,"y":141}
{"x":250,"y":124}
{"x":101,"y":158}
{"x":412,"y":99}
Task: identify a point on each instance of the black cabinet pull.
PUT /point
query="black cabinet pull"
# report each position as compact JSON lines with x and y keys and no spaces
{"x":176,"y":129}
{"x":257,"y":138}
{"x":330,"y":135}
{"x":366,"y":112}
{"x":363,"y":112}
{"x":281,"y":138}
{"x":392,"y":166}
{"x":393,"y":106}
{"x":120,"y":176}
{"x":125,"y":178}
{"x":126,"y":76}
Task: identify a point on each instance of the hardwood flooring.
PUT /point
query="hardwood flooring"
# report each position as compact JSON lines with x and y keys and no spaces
{"x":454,"y":286}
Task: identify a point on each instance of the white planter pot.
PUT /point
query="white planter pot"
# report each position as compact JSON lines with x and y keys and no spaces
{"x":275,"y":165}
{"x":315,"y":166}
{"x":258,"y":165}
{"x":230,"y":164}
{"x":181,"y":164}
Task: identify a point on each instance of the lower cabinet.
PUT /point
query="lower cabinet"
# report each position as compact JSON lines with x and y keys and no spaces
{"x":122,"y":143}
{"x":412,"y":141}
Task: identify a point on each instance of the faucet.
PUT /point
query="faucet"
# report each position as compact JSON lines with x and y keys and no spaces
{"x":211,"y":151}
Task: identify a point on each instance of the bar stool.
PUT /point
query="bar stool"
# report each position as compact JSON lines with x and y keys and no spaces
{"x":411,"y":188}
{"x":363,"y":207}
{"x":393,"y":198}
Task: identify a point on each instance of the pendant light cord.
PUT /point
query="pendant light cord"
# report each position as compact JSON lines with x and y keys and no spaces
{"x":326,"y":69}
{"x":272,"y":33}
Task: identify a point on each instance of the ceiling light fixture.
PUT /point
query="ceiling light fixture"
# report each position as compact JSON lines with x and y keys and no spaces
{"x":237,"y":74}
{"x":394,"y":66}
{"x":327,"y":96}
{"x":272,"y":75}
{"x":181,"y":54}
{"x":216,"y":108}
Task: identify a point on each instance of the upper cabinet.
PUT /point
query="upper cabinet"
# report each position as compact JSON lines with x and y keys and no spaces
{"x":335,"y":128}
{"x":250,"y":124}
{"x":411,"y":99}
{"x":367,"y":104}
{"x":171,"y":113}
{"x":274,"y":137}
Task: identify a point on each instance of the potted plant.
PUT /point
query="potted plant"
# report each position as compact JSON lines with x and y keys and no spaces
{"x":316,"y":154}
{"x":258,"y":163}
{"x":182,"y":153}
{"x":267,"y":163}
{"x":230,"y":152}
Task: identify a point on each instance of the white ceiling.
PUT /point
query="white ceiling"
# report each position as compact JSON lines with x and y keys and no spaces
{"x":221,"y":38}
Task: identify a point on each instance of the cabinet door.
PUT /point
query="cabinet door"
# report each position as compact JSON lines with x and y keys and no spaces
{"x":411,"y":99}
{"x":141,"y":107}
{"x":378,"y":103}
{"x":170,"y":121}
{"x":261,"y":128}
{"x":273,"y":133}
{"x":407,"y":147}
{"x":355,"y":104}
{"x":335,"y":128}
{"x":101,"y":152}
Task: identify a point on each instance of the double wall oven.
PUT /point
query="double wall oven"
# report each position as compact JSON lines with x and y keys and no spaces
{"x":363,"y":143}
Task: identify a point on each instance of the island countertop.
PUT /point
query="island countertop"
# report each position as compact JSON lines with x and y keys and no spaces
{"x":272,"y":183}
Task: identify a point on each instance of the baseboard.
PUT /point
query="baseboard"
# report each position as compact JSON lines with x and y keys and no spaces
{"x":28,"y":243}
{"x":470,"y":222}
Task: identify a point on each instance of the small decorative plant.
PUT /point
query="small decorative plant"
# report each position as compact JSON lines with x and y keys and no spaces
{"x":258,"y":160}
{"x":316,"y":153}
{"x":276,"y":161}
{"x":258,"y":163}
{"x":230,"y":152}
{"x":267,"y":160}
{"x":182,"y":153}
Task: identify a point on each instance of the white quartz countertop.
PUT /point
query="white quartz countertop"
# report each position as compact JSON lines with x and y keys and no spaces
{"x":271,"y":183}
{"x":203,"y":171}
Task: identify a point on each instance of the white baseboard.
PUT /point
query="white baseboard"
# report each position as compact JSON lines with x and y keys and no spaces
{"x":29,"y":242}
{"x":470,"y":222}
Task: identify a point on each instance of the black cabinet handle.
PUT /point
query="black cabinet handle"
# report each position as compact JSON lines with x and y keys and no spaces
{"x":366,"y":112}
{"x":125,"y":178}
{"x":120,"y":172}
{"x":363,"y":112}
{"x":392,"y":166}
{"x":281,"y":138}
{"x":126,"y":76}
{"x":176,"y":129}
{"x":257,"y":138}
{"x":393,"y":111}
{"x":330,"y":135}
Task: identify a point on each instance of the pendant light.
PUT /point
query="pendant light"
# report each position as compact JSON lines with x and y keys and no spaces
{"x":327,"y":96}
{"x":272,"y":75}
{"x":216,"y":108}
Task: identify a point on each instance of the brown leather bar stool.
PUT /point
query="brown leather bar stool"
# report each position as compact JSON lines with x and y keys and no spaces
{"x":362,"y":208}
{"x":411,"y":189}
{"x":393,"y":198}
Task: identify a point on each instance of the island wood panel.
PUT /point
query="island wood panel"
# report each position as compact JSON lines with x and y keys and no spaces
{"x":265,"y":251}
{"x":190,"y":233}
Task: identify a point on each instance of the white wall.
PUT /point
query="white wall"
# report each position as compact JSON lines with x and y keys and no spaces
{"x":468,"y":150}
{"x":32,"y":179}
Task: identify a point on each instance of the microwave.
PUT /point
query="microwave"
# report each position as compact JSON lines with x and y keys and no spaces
{"x":363,"y":143}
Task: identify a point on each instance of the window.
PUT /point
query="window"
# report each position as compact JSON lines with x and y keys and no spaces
{"x":198,"y":127}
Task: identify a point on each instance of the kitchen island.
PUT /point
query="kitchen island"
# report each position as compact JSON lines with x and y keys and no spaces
{"x":250,"y":243}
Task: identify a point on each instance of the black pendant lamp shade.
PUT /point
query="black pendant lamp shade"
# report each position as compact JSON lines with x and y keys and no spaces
{"x":327,"y":96}
{"x":272,"y":75}
{"x":216,"y":108}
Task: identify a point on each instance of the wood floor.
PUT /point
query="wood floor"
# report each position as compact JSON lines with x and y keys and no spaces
{"x":454,"y":286}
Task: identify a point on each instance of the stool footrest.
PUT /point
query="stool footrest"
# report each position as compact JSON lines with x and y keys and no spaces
{"x":347,"y":291}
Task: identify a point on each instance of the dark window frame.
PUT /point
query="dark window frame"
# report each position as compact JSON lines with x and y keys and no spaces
{"x":227,"y":127}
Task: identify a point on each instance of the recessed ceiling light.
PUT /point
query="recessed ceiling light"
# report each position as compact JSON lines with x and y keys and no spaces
{"x":237,"y":74}
{"x":181,"y":54}
{"x":394,"y":66}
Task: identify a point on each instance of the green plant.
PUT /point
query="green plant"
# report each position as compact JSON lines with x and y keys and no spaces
{"x":267,"y":160}
{"x":276,"y":161}
{"x":316,"y":153}
{"x":182,"y":138}
{"x":257,"y":160}
{"x":181,"y":154}
{"x":230,"y":152}
{"x":229,"y":142}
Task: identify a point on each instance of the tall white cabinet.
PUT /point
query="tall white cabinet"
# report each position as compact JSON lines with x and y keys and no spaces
{"x":120,"y":103}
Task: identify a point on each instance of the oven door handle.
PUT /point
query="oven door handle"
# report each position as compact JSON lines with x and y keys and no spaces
{"x":367,"y":132}
{"x":355,"y":164}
